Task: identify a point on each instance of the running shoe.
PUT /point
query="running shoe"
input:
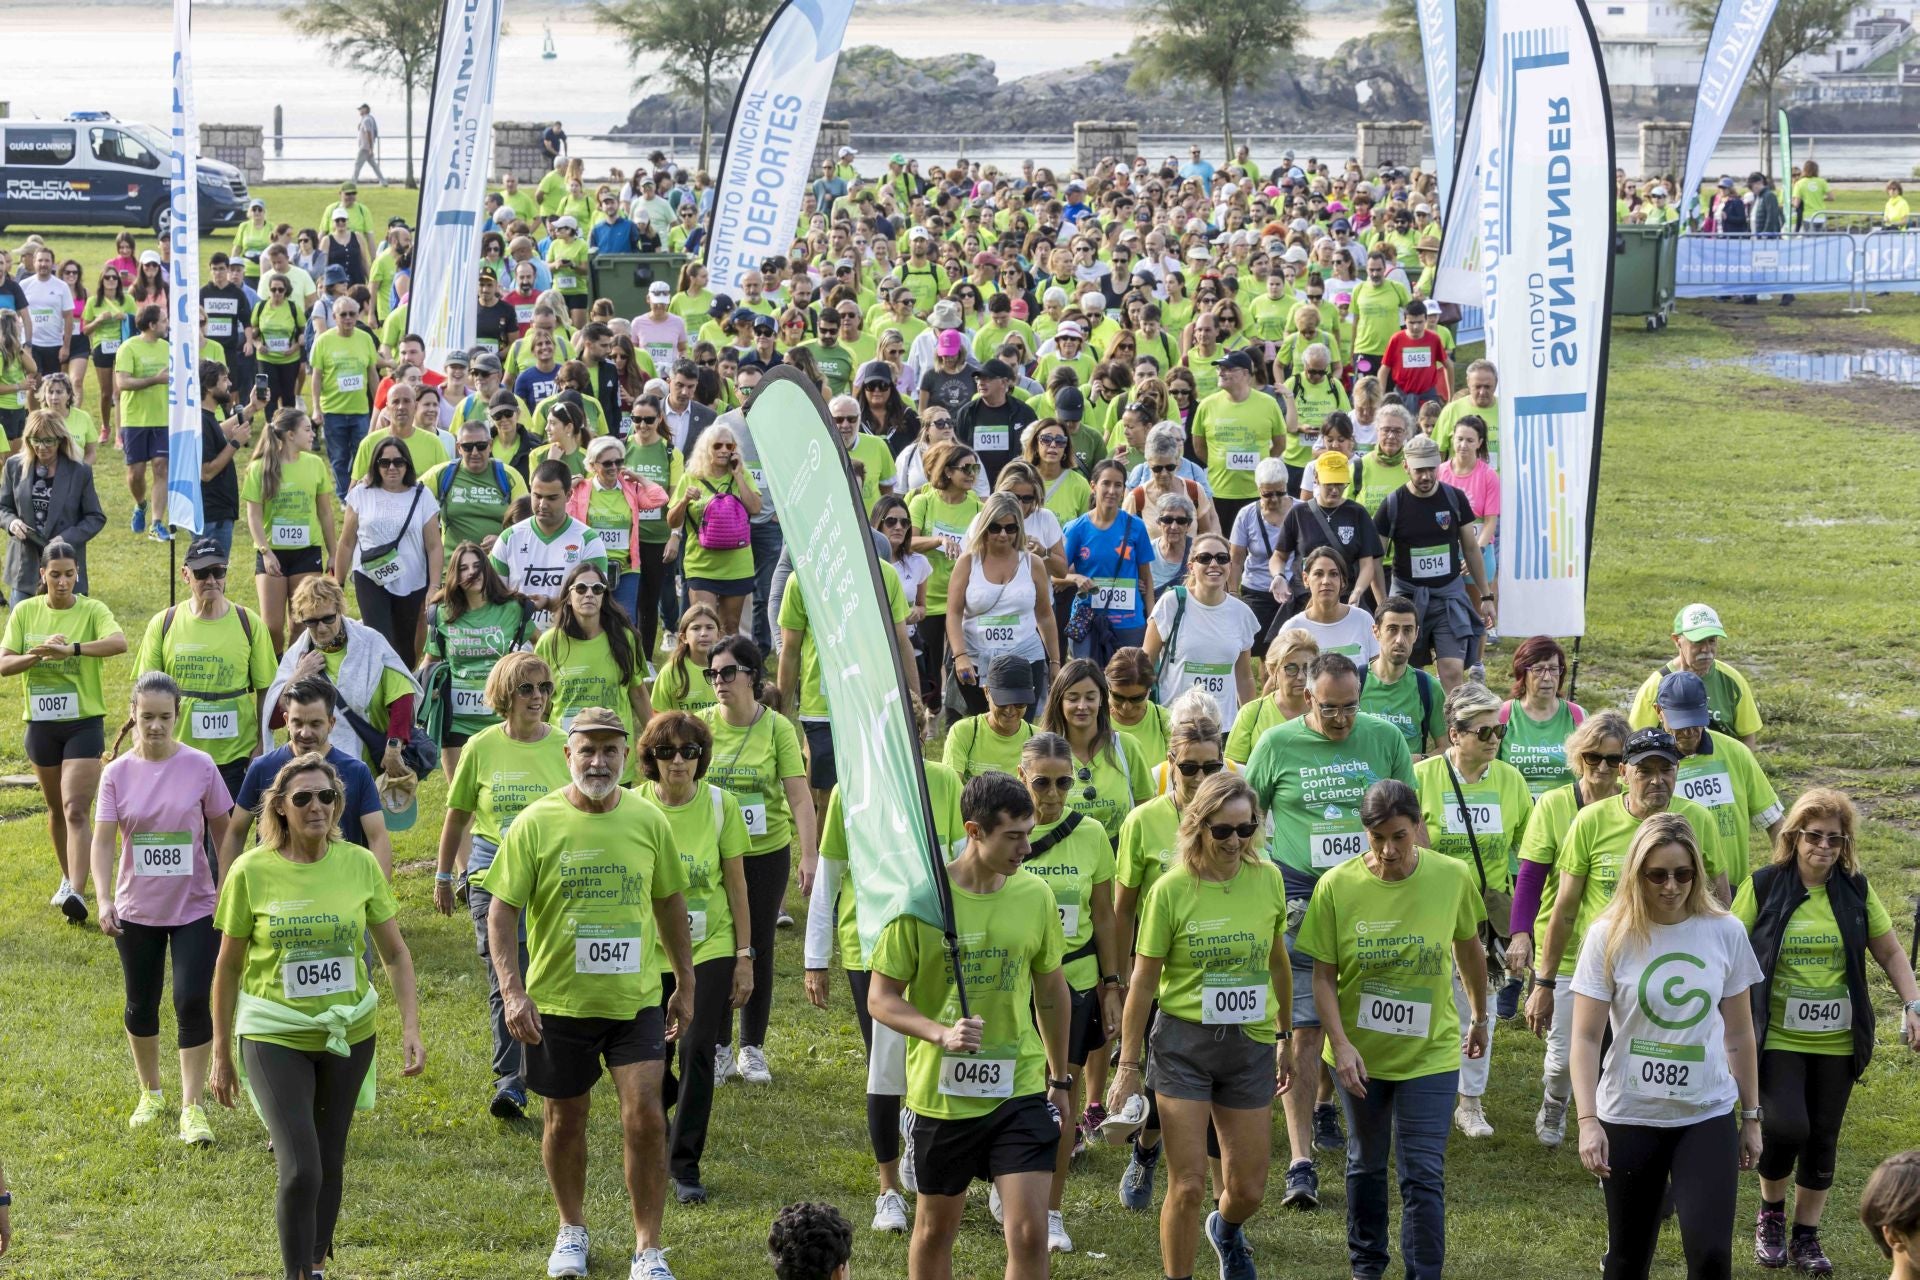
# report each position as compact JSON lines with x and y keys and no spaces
{"x":509,"y":1103}
{"x":74,"y":909}
{"x":650,"y":1264}
{"x":569,"y":1256}
{"x":1805,"y":1255}
{"x":139,"y":519}
{"x":890,"y":1212}
{"x":194,"y":1129}
{"x":160,"y":533}
{"x":61,"y":894}
{"x":1303,"y":1186}
{"x":1326,"y":1128}
{"x":1233,"y":1247}
{"x":753,"y":1065}
{"x":1058,"y":1241}
{"x":784,"y":920}
{"x":1093,"y":1117}
{"x":152,"y":1107}
{"x":1136,"y":1184}
{"x":1470,"y":1117}
{"x":1550,"y":1124}
{"x":689,"y":1192}
{"x":723,"y":1068}
{"x":1770,"y":1237}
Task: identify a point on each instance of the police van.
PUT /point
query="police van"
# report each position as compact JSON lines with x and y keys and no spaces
{"x":91,"y":170}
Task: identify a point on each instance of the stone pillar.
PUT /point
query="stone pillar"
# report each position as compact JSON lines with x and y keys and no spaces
{"x":1663,"y":147}
{"x":516,"y":150}
{"x":1097,"y":140}
{"x":238,"y":145}
{"x":834,"y":134}
{"x":1399,"y":143}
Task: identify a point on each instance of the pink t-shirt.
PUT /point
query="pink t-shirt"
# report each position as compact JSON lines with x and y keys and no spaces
{"x":1481,"y":485}
{"x":663,"y":340}
{"x":162,"y":809}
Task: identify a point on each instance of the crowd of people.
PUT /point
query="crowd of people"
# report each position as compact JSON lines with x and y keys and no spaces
{"x":1187,"y":517}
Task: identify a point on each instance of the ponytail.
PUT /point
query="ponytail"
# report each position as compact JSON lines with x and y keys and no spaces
{"x":151,"y":682}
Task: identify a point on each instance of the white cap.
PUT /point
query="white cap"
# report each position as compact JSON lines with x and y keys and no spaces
{"x":1228,"y":190}
{"x":919,"y":233}
{"x":152,"y":256}
{"x":1198,"y":253}
{"x":1195,"y":226}
{"x":1658,"y":191}
{"x":567,"y":221}
{"x":659,"y":289}
{"x":847,"y":151}
{"x":1295,"y":253}
{"x":1070,"y":330}
{"x":1423,"y":208}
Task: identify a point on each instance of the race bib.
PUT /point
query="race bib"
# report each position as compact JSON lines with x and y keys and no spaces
{"x":212,"y":721}
{"x":1332,"y":841}
{"x":1067,"y":902}
{"x":470,"y":699}
{"x":1432,"y":562}
{"x":951,"y":540}
{"x":1396,"y":1011}
{"x":287,"y":537}
{"x":1242,"y":459}
{"x":350,"y":382}
{"x":163,"y":853}
{"x":649,"y":516}
{"x":601,"y":949}
{"x":108,"y":346}
{"x":697,"y":926}
{"x":1675,"y":1071}
{"x":1114,"y":595}
{"x":1416,"y":359}
{"x":1816,"y":1009}
{"x":753,"y":811}
{"x":1484,"y":814}
{"x":566,"y":284}
{"x":383,"y":570}
{"x":615,"y":539}
{"x":965,"y":1075}
{"x":1229,"y":1000}
{"x":313,"y":971}
{"x":1210,"y":677}
{"x":1000,"y":630}
{"x":1711,"y":790}
{"x":219,"y":328}
{"x":759,"y":478}
{"x":278,"y":344}
{"x":523,"y":312}
{"x":44,"y":707}
{"x":990,"y":439}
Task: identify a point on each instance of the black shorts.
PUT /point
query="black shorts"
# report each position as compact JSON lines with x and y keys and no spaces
{"x":578,"y":301}
{"x":1296,"y":476}
{"x":1086,"y":1034}
{"x":566,"y":1062}
{"x":47,"y":360}
{"x":724,"y":588}
{"x":293,"y":561}
{"x":1021,"y":1135}
{"x":103,"y":359}
{"x":78,"y":348}
{"x":14,"y":422}
{"x":51,"y":741}
{"x":820,"y":771}
{"x":453,"y":738}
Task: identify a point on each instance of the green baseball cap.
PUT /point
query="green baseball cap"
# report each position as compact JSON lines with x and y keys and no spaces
{"x":1697,"y":622}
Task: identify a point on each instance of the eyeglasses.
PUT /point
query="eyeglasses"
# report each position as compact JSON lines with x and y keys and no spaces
{"x":1337,"y":711}
{"x":685,"y":751}
{"x":324,"y":620}
{"x":1129,"y":700}
{"x":1006,"y":530}
{"x":723,"y":675}
{"x":1221,"y":830}
{"x":211,"y":572}
{"x":327,"y":796}
{"x":43,"y":442}
{"x":1188,"y":768}
{"x":1594,"y":759}
{"x":474,"y":446}
{"x":1220,"y":558}
{"x":391,"y":461}
{"x":1486,"y":732}
{"x":1043,"y":783}
{"x":1177,"y":522}
{"x":1824,"y":840}
{"x":589,"y":588}
{"x":1661,"y":875}
{"x":526,"y":689}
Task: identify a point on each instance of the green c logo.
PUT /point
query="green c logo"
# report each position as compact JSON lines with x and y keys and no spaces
{"x":1674,"y":993}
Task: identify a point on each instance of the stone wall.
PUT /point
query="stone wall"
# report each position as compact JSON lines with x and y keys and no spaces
{"x":1097,"y":140}
{"x":834,"y":134}
{"x":238,"y":145}
{"x":1663,"y":147}
{"x":1400,"y":143}
{"x":516,"y":150}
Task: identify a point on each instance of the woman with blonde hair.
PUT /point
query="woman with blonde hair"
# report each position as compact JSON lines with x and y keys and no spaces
{"x":718,"y":560}
{"x":1668,"y":969}
{"x":1006,"y":607}
{"x":1283,"y":691}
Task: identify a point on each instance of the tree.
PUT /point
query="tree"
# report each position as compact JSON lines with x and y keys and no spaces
{"x":697,"y":41}
{"x":1222,"y":45}
{"x":1401,"y":19}
{"x":1798,"y":27}
{"x":384,"y":40}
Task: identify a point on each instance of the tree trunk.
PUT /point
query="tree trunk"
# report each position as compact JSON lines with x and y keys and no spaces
{"x":706,"y":112}
{"x":1226,"y":120}
{"x":409,"y":80}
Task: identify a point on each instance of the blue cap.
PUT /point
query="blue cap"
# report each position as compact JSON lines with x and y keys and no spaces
{"x":1682,"y":700}
{"x":335,"y":274}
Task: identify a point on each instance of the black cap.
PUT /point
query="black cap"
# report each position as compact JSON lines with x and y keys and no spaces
{"x":203,"y":553}
{"x":721,"y":305}
{"x":1652,"y":742}
{"x":1010,"y":680}
{"x":764,"y":324}
{"x":1069,"y":405}
{"x":1235,"y":360}
{"x":503,"y":399}
{"x":995,"y":369}
{"x":875,"y":371}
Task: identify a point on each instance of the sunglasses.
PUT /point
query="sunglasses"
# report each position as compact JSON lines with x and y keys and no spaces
{"x":722,"y":675}
{"x":1006,"y":529}
{"x":1661,"y":875}
{"x":474,"y":446}
{"x":965,"y":468}
{"x":846,"y":417}
{"x":589,"y":588}
{"x":327,"y":796}
{"x":896,"y":522}
{"x":1611,"y":759}
{"x":1059,"y":441}
{"x":324,"y":620}
{"x":1176,"y":522}
{"x":1221,"y":830}
{"x":1487,"y":732}
{"x":218,"y":571}
{"x":1220,"y":558}
{"x":685,"y":751}
{"x":1188,"y":768}
{"x":1044,"y":783}
{"x":1822,"y":840}
{"x":647,"y":420}
{"x":392,"y":461}
{"x":526,"y":689}
{"x":1085,"y":775}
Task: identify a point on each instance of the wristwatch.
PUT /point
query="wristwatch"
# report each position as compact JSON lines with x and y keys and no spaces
{"x":1112,"y":980}
{"x":1913,"y":1007}
{"x":745,"y":953}
{"x":6,"y":1199}
{"x":1755,"y":1114}
{"x":1542,"y":984}
{"x":1064,"y":1085}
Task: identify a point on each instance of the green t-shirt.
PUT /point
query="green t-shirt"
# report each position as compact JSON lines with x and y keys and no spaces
{"x":1596,"y":847}
{"x":1378,"y":478}
{"x":393,"y":686}
{"x":65,"y":689}
{"x":659,"y":462}
{"x":870,"y":451}
{"x":82,"y":427}
{"x":1391,"y":943}
{"x":1069,"y":496}
{"x":1250,"y":724}
{"x":695,"y":560}
{"x":943,"y":793}
{"x":975,"y":747}
{"x":1730,"y":701}
{"x":303,"y":923}
{"x":1811,"y":193}
{"x":1723,"y":778}
{"x":1150,"y":732}
{"x":291,"y":518}
{"x":473,"y":507}
{"x":754,"y":763}
{"x":1812,"y":1011}
{"x":1216,"y":939}
{"x":1421,"y":721}
{"x":588,"y":882}
{"x":213,"y":656}
{"x":836,"y":364}
{"x":1237,"y":436}
{"x":1498,"y":806}
{"x":793,"y":617}
{"x":1006,"y":937}
{"x":1146,"y":846}
{"x":609,"y":514}
{"x":1071,"y":869}
{"x":586,"y":675}
{"x":1553,"y":814}
{"x":280,"y":329}
{"x":426,"y":448}
{"x":347,"y":364}
{"x":1311,"y":788}
{"x":1268,"y":316}
{"x":705,"y":829}
{"x":1538,"y":748}
{"x":1376,"y":315}
{"x":143,"y":358}
{"x":1120,"y":778}
{"x":680,"y":686}
{"x":934,"y":517}
{"x":498,"y":776}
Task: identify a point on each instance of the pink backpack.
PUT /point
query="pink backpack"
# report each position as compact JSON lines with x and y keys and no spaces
{"x":724,"y":524}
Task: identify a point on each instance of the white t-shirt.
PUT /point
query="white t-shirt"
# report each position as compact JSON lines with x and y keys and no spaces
{"x":1210,"y":640}
{"x":536,"y":566}
{"x":49,"y":307}
{"x":913,"y":569}
{"x":1256,"y":577}
{"x":381,"y":514}
{"x":1352,"y":635}
{"x":1667,"y":1066}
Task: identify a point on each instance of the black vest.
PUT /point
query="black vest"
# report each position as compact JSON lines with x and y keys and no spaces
{"x":1777,"y":894}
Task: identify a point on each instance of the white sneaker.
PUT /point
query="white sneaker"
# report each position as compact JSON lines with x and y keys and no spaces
{"x":1550,"y":1124}
{"x":722,"y":1065}
{"x":61,"y":894}
{"x":1471,"y":1118}
{"x":1058,"y":1241}
{"x":994,"y":1206}
{"x":907,"y":1178}
{"x":569,"y":1256}
{"x":753,"y":1065}
{"x":650,"y":1264}
{"x":890,"y":1212}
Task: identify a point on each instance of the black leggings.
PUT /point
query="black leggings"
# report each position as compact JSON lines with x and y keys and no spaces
{"x":395,"y":617}
{"x":143,"y":967}
{"x":1805,"y":1096}
{"x":650,"y":563}
{"x":712,"y":989}
{"x":766,"y":886}
{"x":283,"y":386}
{"x":307,"y":1102}
{"x":932,"y":632}
{"x":1701,"y":1161}
{"x":883,"y":1109}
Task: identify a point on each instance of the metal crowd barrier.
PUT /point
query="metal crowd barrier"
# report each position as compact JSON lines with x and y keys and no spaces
{"x":1850,"y":262}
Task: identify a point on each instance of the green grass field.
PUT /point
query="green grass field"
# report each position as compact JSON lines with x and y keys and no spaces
{"x":1790,"y":507}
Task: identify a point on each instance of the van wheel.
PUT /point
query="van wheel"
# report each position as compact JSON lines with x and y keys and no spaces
{"x":162,"y":220}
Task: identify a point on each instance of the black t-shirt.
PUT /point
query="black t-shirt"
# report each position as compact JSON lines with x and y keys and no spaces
{"x":1421,"y":529}
{"x":950,"y":390}
{"x":227,"y":317}
{"x":497,"y":324}
{"x":42,"y":495}
{"x":993,"y":434}
{"x":1355,"y":537}
{"x":220,"y":496}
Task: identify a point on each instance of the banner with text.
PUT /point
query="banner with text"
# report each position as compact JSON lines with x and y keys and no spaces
{"x":446,"y":253}
{"x":891,"y":862}
{"x":1440,"y":53}
{"x":183,"y":506}
{"x":1457,"y":279}
{"x":1738,"y":28}
{"x":1546,"y":258}
{"x":770,"y":138}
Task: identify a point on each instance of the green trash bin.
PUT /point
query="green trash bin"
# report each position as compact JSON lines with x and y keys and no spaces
{"x":1645,"y":260}
{"x":622,"y":278}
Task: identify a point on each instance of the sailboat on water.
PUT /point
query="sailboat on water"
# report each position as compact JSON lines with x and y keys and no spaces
{"x":546,"y":42}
